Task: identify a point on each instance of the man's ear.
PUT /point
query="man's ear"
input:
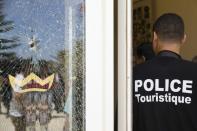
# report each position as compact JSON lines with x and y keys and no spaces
{"x":184,"y":39}
{"x":155,"y":39}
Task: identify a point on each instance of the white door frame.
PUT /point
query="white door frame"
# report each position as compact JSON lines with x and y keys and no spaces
{"x":99,"y":65}
{"x":124,"y":65}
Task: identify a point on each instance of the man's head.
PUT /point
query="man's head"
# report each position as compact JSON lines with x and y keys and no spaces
{"x":169,"y":33}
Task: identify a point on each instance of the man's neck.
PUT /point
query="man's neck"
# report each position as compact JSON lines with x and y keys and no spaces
{"x":169,"y":49}
{"x":173,"y":47}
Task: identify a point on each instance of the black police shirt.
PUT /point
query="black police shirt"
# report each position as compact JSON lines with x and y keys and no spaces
{"x":165,"y":94}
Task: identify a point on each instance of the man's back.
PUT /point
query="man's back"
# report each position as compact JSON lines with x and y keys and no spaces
{"x":165,"y":94}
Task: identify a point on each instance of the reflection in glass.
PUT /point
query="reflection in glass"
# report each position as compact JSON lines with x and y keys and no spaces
{"x":42,"y":67}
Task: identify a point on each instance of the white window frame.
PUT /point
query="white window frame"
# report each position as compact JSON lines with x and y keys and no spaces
{"x":125,"y":65}
{"x":99,"y":65}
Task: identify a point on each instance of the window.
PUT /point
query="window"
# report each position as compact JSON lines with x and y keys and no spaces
{"x":42,"y":65}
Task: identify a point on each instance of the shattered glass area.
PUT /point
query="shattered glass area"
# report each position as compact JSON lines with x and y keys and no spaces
{"x":42,"y":42}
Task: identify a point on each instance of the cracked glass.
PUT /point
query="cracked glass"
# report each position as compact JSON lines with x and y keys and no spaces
{"x":42,"y":65}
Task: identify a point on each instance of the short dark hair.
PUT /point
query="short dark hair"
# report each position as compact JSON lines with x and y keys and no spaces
{"x":146,"y":50}
{"x":169,"y":27}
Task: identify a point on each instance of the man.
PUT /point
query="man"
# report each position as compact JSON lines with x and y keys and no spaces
{"x":1,"y":91}
{"x":194,"y":59}
{"x":38,"y":105}
{"x":144,"y":53}
{"x":45,"y":108}
{"x":5,"y":92}
{"x":29,"y":103}
{"x":68,"y":109}
{"x":16,"y":110}
{"x":165,"y":88}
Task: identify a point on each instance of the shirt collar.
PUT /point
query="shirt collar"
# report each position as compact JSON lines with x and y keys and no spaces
{"x":167,"y":53}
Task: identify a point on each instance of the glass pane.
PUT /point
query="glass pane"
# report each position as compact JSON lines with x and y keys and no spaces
{"x":42,"y":65}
